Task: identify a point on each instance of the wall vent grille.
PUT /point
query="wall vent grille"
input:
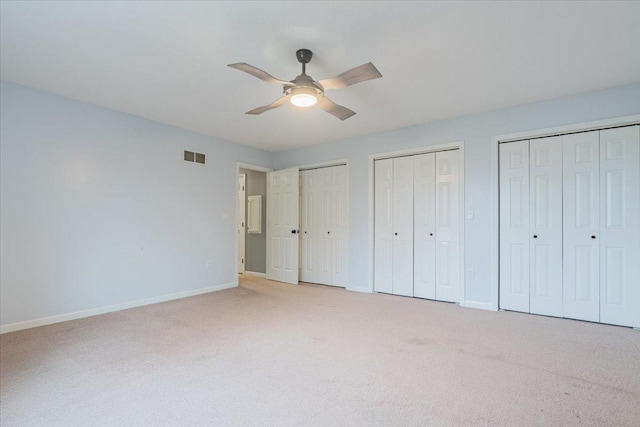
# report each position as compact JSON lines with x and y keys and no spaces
{"x":190,"y":156}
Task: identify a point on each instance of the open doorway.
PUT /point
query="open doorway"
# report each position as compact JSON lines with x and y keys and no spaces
{"x":252,"y":216}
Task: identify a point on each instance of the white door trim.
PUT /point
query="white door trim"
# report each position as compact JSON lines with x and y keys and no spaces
{"x":242,"y":192}
{"x":241,"y":165}
{"x":495,"y":178}
{"x":327,"y":164}
{"x":459,"y":145}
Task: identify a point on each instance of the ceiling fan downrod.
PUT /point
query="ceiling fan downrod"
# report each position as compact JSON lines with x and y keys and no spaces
{"x":304,"y":57}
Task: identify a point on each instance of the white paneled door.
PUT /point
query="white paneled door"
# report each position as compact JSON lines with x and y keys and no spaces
{"x":447,"y":204}
{"x":620,"y":226}
{"x":324,"y":225}
{"x":581,"y":210}
{"x":570,"y":226}
{"x":241,"y":221}
{"x":402,"y":226}
{"x":417,"y":226}
{"x":514,"y":226}
{"x":424,"y":222}
{"x":283,"y":225}
{"x":383,"y":226}
{"x":309,"y":269}
{"x":340,"y":223}
{"x":545,"y":219}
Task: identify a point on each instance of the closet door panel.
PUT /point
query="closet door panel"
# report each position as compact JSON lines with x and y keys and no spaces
{"x":619,"y":235}
{"x":308,"y":242}
{"x":424,"y":208}
{"x":581,"y":209}
{"x":545,"y":250}
{"x":447,"y":226}
{"x":325,"y":224}
{"x":514,"y":226}
{"x":403,"y":226}
{"x":340,"y":232}
{"x":383,"y":226}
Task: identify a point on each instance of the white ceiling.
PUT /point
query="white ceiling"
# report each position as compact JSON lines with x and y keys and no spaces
{"x":166,"y":61}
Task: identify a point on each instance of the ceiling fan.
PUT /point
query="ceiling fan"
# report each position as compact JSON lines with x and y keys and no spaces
{"x":303,"y":91}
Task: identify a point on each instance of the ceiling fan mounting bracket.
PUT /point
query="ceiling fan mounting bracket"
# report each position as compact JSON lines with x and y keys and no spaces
{"x":304,"y":56}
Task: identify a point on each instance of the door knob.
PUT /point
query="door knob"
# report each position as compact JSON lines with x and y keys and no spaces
{"x":294,"y":231}
{"x":593,"y":237}
{"x":535,"y":236}
{"x":328,"y":232}
{"x":395,"y":234}
{"x":430,"y":234}
{"x":305,"y":232}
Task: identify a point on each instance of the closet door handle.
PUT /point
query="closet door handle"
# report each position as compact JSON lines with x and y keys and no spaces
{"x":535,"y":236}
{"x":395,"y":234}
{"x":328,"y":232}
{"x":430,"y":234}
{"x":593,"y":237}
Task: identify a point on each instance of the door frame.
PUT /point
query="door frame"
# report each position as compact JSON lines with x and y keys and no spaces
{"x":241,"y":165}
{"x":457,"y":145}
{"x":495,"y":179}
{"x":244,"y":228}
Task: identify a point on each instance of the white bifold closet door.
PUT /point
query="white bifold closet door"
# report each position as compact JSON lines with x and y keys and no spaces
{"x":514,"y":226}
{"x":324,"y":225}
{"x":531,"y":226}
{"x":394,"y":262}
{"x":569,"y":226}
{"x":383,"y":226}
{"x":310,"y":211}
{"x":424,"y":222}
{"x":447,"y":204}
{"x":417,"y":226}
{"x":402,"y":211}
{"x":340,"y":223}
{"x":581,"y":211}
{"x":545,"y":220}
{"x":620,"y":226}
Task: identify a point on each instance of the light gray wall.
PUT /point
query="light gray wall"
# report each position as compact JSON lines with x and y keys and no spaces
{"x":255,"y":245}
{"x":476,"y":131}
{"x":98,"y":207}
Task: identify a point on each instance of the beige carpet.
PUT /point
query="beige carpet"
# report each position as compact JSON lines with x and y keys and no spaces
{"x":268,"y":353}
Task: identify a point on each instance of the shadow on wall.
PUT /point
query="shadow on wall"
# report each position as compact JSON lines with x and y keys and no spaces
{"x":256,"y":244}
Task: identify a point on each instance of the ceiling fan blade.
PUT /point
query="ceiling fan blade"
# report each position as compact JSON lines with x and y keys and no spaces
{"x":343,"y":113}
{"x":257,"y":72}
{"x":275,"y":104}
{"x":355,"y":75}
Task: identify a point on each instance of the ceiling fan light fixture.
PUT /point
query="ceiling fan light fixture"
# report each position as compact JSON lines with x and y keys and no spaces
{"x":303,"y":96}
{"x":304,"y":91}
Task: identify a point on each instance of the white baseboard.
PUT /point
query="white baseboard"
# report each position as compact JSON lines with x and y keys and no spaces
{"x":480,"y":305}
{"x":255,"y":273}
{"x":27,"y":324}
